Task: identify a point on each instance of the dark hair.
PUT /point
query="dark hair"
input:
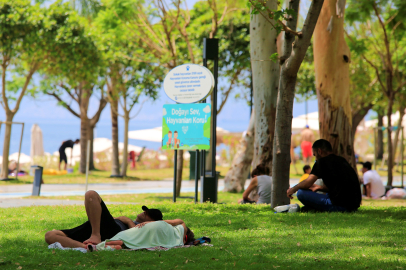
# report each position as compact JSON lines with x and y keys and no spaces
{"x":305,"y":168}
{"x":323,"y":144}
{"x":190,"y":235}
{"x":260,"y":170}
{"x":367,"y":165}
{"x":77,"y":140}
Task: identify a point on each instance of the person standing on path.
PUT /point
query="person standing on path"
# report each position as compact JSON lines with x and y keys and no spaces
{"x":62,"y":154}
{"x":307,"y":139}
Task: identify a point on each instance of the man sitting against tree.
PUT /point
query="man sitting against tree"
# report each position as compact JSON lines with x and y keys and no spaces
{"x":100,"y":226}
{"x":340,"y":182}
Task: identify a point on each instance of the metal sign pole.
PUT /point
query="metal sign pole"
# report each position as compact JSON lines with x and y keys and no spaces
{"x":401,"y":157}
{"x":175,"y":162}
{"x":196,"y":175}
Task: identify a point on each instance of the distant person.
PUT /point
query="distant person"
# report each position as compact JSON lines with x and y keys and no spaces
{"x":340,"y":182}
{"x":372,"y":182}
{"x":62,"y":154}
{"x":131,"y":158}
{"x":306,"y":169}
{"x":307,"y":139}
{"x":292,"y":153}
{"x":263,"y":181}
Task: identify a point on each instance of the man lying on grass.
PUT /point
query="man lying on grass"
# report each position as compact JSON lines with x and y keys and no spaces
{"x":163,"y":233}
{"x":340,"y":182}
{"x":100,"y":226}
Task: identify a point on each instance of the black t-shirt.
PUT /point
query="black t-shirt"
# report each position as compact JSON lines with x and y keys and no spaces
{"x":66,"y":144}
{"x":340,"y":179}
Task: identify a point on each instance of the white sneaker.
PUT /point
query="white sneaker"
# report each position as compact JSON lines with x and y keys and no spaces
{"x":291,"y":208}
{"x":294,"y":208}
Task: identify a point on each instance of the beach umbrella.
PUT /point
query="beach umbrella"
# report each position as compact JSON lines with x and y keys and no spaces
{"x":37,"y":145}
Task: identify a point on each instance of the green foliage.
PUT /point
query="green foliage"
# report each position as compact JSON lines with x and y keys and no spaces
{"x":306,"y":80}
{"x":274,"y":57}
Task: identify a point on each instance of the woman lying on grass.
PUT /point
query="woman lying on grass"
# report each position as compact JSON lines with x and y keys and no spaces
{"x":165,"y":233}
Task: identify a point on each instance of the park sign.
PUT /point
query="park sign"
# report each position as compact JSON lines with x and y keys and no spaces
{"x":186,"y":126}
{"x":188,"y":83}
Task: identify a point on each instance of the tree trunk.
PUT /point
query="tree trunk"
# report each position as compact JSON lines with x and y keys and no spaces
{"x":125,"y":150}
{"x":115,"y":165}
{"x":357,"y":117}
{"x":390,"y":148}
{"x":91,"y":138}
{"x":265,"y":85}
{"x":84,"y":127}
{"x":179,"y":170}
{"x":6,"y":145}
{"x":237,"y":175}
{"x":331,"y":62}
{"x":380,"y":137}
{"x":396,"y":141}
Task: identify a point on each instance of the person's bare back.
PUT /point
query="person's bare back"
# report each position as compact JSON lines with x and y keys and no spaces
{"x":307,"y":135}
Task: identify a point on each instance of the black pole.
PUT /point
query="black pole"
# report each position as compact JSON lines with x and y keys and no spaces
{"x":196,"y":175}
{"x":214,"y":119}
{"x":174,"y":175}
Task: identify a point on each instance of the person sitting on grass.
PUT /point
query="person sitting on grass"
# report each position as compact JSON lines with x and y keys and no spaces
{"x":100,"y":226}
{"x":164,"y":233}
{"x":372,"y":182}
{"x":306,"y":169}
{"x":340,"y":182}
{"x":263,"y":181}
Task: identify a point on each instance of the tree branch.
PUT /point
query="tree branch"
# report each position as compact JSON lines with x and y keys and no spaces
{"x":387,"y":45}
{"x":230,"y":88}
{"x":142,"y":103}
{"x":64,"y":104}
{"x":24,"y":90}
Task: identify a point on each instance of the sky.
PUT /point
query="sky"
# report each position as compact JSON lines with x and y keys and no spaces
{"x":58,"y":124}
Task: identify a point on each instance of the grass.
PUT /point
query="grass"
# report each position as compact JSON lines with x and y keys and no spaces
{"x":244,"y":237}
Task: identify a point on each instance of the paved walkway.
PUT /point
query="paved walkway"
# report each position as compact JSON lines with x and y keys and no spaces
{"x":19,"y":202}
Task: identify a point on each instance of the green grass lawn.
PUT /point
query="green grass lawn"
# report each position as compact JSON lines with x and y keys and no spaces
{"x":244,"y":237}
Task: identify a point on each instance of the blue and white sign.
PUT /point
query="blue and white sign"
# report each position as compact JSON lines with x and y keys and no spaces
{"x":186,"y":126}
{"x":188,"y":83}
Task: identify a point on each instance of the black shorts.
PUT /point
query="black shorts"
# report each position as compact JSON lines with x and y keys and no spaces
{"x":62,"y":156}
{"x":108,"y":227}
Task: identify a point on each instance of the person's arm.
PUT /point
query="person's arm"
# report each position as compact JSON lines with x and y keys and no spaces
{"x":252,"y":185}
{"x":368,"y":188}
{"x":305,"y":184}
{"x":127,"y":221}
{"x":315,"y":188}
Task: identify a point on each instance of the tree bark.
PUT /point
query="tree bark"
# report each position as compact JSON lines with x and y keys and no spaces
{"x":390,"y":146}
{"x":6,"y":145}
{"x":380,"y":137}
{"x":331,"y":61}
{"x":115,"y":165}
{"x":84,"y":127}
{"x":265,"y":84}
{"x":179,"y":170}
{"x":91,"y":138}
{"x":397,"y":133}
{"x":237,"y":175}
{"x":291,"y":59}
{"x":357,"y":117}
{"x":125,"y":150}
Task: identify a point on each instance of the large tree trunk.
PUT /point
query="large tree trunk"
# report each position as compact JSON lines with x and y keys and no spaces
{"x":396,"y":140}
{"x":179,"y":170}
{"x":84,"y":127}
{"x":294,"y":51}
{"x":6,"y":145}
{"x":125,"y":150}
{"x":265,"y":84}
{"x":331,"y":61}
{"x":115,"y":165}
{"x":237,"y":175}
{"x":379,"y":142}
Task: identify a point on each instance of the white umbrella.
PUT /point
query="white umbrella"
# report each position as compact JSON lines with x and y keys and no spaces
{"x":23,"y":158}
{"x":37,"y":145}
{"x":155,"y":134}
{"x":299,"y":123}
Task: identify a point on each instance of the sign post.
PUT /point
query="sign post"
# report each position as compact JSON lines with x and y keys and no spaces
{"x":187,"y":126}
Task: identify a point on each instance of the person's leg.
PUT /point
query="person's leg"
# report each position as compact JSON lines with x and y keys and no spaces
{"x":318,"y":201}
{"x":59,"y":236}
{"x":93,"y":211}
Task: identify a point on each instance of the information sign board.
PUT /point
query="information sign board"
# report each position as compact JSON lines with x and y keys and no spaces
{"x":188,"y":83}
{"x":186,"y":126}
